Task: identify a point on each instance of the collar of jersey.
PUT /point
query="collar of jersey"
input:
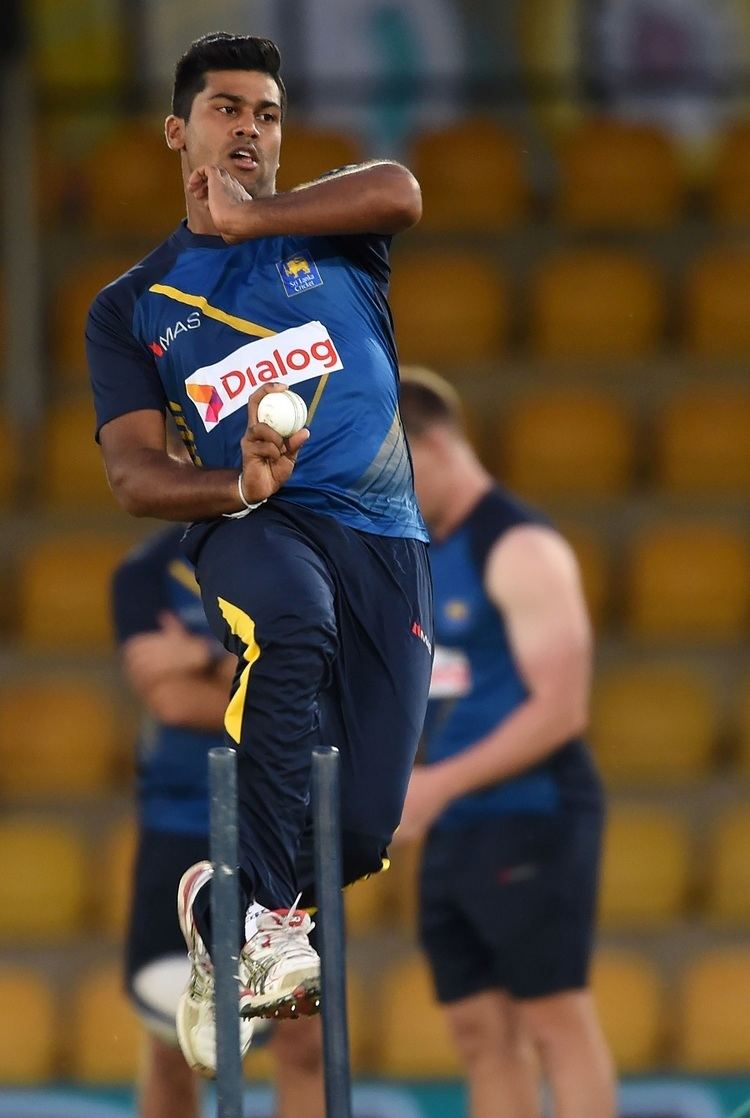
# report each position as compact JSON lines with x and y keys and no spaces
{"x":186,"y":239}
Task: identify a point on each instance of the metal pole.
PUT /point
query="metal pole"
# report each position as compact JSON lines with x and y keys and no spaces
{"x":328,"y":877}
{"x":225,"y":907}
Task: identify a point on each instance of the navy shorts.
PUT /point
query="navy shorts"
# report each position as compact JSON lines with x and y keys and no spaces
{"x":332,"y":628}
{"x":510,"y":904}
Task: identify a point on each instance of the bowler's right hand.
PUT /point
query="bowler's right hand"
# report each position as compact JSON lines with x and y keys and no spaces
{"x":267,"y":459}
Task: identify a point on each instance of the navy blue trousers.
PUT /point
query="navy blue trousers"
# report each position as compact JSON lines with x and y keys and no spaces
{"x":332,"y":629}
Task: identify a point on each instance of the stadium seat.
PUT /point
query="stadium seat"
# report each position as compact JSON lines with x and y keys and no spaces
{"x":368,"y":904}
{"x":743,"y":727}
{"x":617,"y":175}
{"x":630,"y":1001}
{"x":58,"y":739}
{"x":730,"y":186}
{"x":132,"y":183}
{"x":712,"y":1017}
{"x":654,"y":724}
{"x":472,"y":177}
{"x":84,"y":51}
{"x":451,"y":307}
{"x":69,"y":305}
{"x":702,"y":442}
{"x":689,"y":581}
{"x":308,"y":152}
{"x":9,"y":464}
{"x":114,"y":877}
{"x":28,"y":1027}
{"x":728,"y":897}
{"x":405,"y":863}
{"x":646,"y":868}
{"x":717,"y":291}
{"x":596,"y":304}
{"x":72,"y":474}
{"x":567,"y":443}
{"x":64,"y":591}
{"x":44,"y":880}
{"x":414,"y":1040}
{"x":594,"y":565}
{"x":104,"y":1030}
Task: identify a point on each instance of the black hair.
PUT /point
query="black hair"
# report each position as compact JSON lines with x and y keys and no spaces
{"x":222,"y":51}
{"x":426,"y":399}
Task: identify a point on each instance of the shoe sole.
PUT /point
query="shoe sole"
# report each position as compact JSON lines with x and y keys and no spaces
{"x":303,"y":1001}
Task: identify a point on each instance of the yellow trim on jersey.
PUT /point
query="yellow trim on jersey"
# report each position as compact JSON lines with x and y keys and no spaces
{"x":185,"y":576}
{"x":242,"y":626}
{"x":242,"y":324}
{"x":316,"y":398}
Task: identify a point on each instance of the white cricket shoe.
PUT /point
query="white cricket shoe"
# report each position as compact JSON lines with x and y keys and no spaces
{"x":195,"y":1019}
{"x":279,"y":970}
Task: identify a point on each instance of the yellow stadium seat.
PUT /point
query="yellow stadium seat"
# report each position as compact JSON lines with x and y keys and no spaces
{"x":72,"y":472}
{"x":9,"y":463}
{"x":689,"y":581}
{"x":730,"y":186}
{"x":630,"y":1001}
{"x":619,"y":175}
{"x":593,"y":562}
{"x":69,"y":310}
{"x":58,"y":739}
{"x":596,"y":304}
{"x":85,"y":51}
{"x":368,"y":903}
{"x":646,"y":868}
{"x":728,"y":898}
{"x":308,"y":152}
{"x":450,"y":307}
{"x":703,"y":444}
{"x":132,"y":183}
{"x":654,"y":723}
{"x":414,"y":1039}
{"x":472,"y":177}
{"x":114,"y":877}
{"x":743,"y":728}
{"x":44,"y":880}
{"x":714,"y":1036}
{"x":104,"y":1030}
{"x":405,"y":863}
{"x":64,"y":591}
{"x":28,"y":1029}
{"x":567,"y":443}
{"x":717,"y":291}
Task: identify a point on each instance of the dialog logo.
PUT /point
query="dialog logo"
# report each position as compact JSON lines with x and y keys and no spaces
{"x":299,"y":273}
{"x":295,"y":355}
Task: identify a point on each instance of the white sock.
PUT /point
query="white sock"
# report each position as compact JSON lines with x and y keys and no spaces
{"x":254,"y":912}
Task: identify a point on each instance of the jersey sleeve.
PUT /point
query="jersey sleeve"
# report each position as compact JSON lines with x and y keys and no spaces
{"x":138,"y":591}
{"x":123,"y":375}
{"x":371,"y":252}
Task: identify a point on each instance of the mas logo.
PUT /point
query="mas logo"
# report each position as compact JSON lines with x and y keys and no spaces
{"x":301,"y":353}
{"x":299,"y":273}
{"x":160,"y":347}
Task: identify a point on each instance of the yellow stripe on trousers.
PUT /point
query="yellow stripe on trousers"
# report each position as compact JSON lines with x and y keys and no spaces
{"x":242,"y":626}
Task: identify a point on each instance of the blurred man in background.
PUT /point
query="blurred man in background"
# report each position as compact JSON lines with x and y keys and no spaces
{"x":182,"y":676}
{"x":509,"y":798}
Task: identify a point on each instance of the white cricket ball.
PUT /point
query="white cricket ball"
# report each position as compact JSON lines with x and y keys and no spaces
{"x":285,"y":412}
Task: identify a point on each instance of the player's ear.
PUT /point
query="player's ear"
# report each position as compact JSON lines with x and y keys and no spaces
{"x":174,"y":131}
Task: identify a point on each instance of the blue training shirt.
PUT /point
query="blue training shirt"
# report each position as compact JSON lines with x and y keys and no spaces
{"x":172,"y":770}
{"x":476,"y":684}
{"x":198,"y":324}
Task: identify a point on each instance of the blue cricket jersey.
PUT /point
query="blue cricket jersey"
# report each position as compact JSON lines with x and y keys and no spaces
{"x":172,"y":769}
{"x":475,"y":680}
{"x":198,"y":324}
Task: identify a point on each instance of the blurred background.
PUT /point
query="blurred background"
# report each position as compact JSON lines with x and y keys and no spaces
{"x":582,"y":273}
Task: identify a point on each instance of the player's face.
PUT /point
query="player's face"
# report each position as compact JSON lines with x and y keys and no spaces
{"x":235,"y":122}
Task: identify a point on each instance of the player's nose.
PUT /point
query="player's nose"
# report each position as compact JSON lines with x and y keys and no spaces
{"x":247,"y":127}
